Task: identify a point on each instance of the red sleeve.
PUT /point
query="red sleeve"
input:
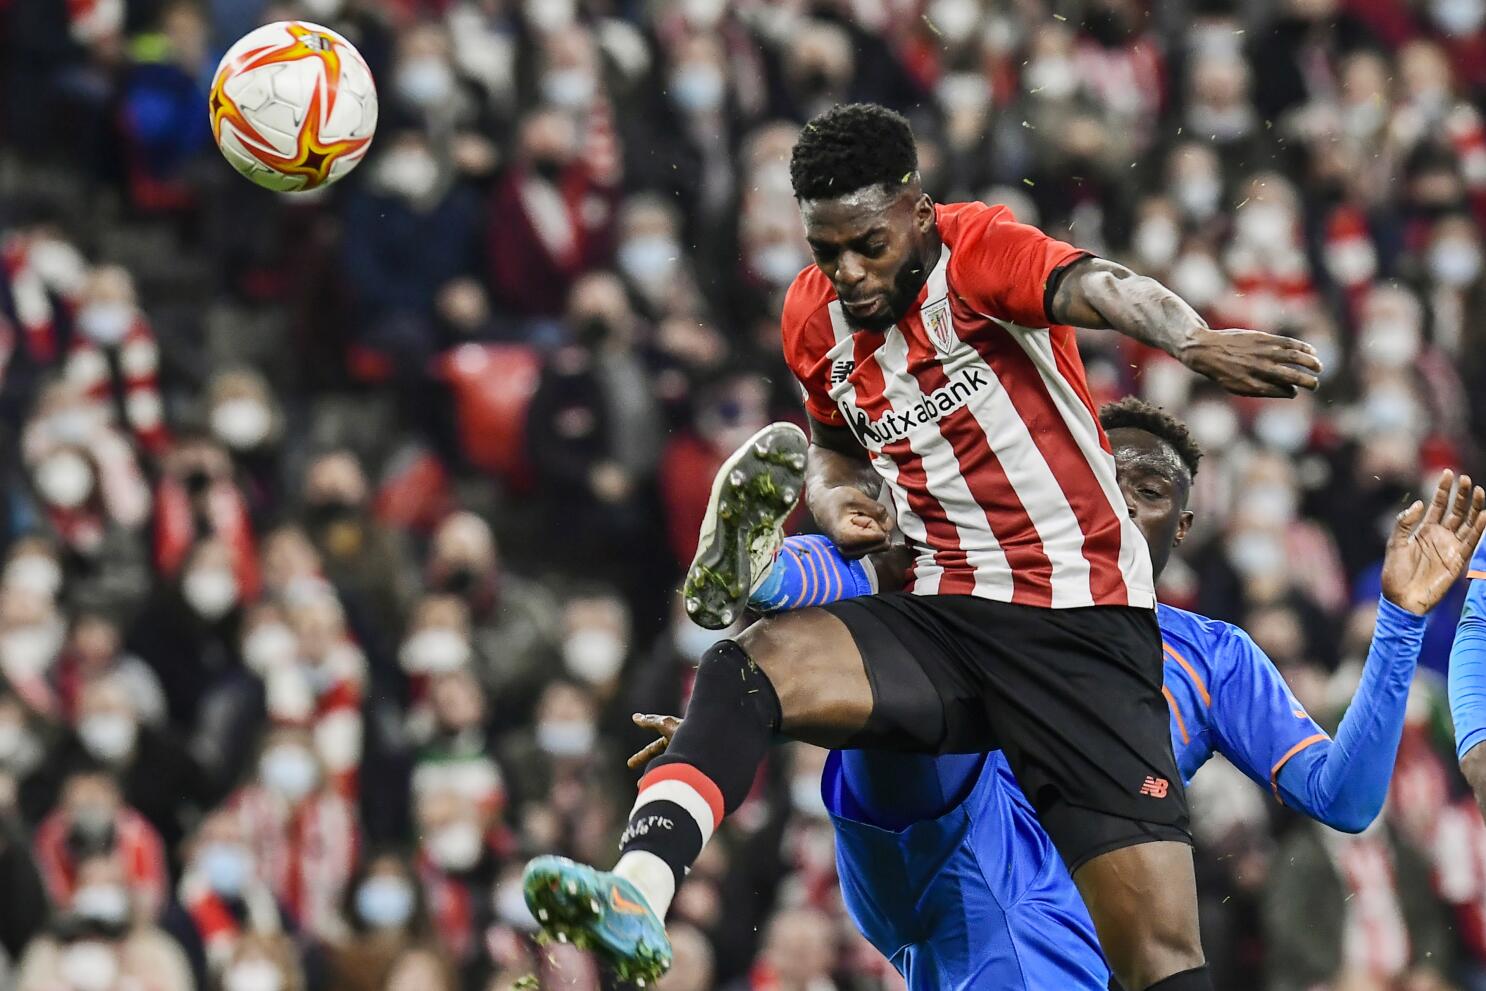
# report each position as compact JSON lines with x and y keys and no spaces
{"x":808,"y":339}
{"x":1005,"y":269}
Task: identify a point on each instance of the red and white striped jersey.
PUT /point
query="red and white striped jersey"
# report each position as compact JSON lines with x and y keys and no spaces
{"x":977,"y":416}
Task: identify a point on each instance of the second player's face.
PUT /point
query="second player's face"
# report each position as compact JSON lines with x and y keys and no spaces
{"x":1155,"y":491}
{"x":870,"y":244}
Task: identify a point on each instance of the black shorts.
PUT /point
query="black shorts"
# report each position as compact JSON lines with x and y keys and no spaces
{"x":1071,"y":696}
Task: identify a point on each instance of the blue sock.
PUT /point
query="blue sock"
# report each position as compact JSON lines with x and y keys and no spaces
{"x":810,"y":571}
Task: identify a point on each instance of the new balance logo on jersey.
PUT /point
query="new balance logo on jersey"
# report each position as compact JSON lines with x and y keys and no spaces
{"x":1155,"y":787}
{"x":897,"y":424}
{"x":841,"y":371}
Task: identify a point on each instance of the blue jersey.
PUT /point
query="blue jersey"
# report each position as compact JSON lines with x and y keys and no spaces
{"x":1468,"y":660}
{"x":978,"y":898}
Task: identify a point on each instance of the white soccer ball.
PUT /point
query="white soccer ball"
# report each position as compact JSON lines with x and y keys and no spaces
{"x":293,"y":106}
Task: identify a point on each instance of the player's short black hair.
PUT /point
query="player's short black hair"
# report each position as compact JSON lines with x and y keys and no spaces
{"x":850,"y":147}
{"x":1141,"y":415}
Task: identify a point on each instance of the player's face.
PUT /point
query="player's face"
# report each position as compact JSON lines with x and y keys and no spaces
{"x":874,"y":246}
{"x":1155,"y":484}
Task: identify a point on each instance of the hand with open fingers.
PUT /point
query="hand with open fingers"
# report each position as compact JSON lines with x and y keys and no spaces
{"x":1253,"y":363}
{"x":666,"y":726}
{"x":856,"y":523}
{"x":1431,"y":546}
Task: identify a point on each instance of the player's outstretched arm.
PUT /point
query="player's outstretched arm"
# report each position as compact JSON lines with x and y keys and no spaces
{"x":1344,"y":783}
{"x":1096,"y":293}
{"x":841,"y":490}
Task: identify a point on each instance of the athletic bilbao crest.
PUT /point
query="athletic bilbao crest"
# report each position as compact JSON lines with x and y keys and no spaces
{"x":938,"y":324}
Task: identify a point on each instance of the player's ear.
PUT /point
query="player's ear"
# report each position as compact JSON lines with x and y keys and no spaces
{"x":1182,"y":526}
{"x":923,"y":213}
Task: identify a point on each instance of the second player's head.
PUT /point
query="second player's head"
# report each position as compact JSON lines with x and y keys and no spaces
{"x":869,"y":223}
{"x":1155,"y":461}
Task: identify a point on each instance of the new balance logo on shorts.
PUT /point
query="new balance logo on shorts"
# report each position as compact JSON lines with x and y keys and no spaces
{"x":1155,"y":787}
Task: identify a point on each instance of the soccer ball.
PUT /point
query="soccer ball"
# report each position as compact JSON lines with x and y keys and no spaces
{"x":293,"y":106}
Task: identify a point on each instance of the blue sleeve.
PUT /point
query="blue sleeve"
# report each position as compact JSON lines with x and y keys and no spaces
{"x":894,"y":790}
{"x":1343,"y":783}
{"x":1468,"y":661}
{"x":1263,"y":729}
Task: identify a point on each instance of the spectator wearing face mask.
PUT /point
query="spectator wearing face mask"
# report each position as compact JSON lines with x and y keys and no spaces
{"x":29,"y":774}
{"x":198,"y":497}
{"x":799,"y":954}
{"x":221,"y":899}
{"x":155,"y":773}
{"x":302,"y":834}
{"x":114,"y":358}
{"x":385,"y":912}
{"x":264,"y":962}
{"x":90,"y":493}
{"x":550,"y":218}
{"x":460,"y":849}
{"x":103,"y":941}
{"x":323,"y":688}
{"x":656,"y":268}
{"x":365,"y":561}
{"x":189,"y":633}
{"x":244,"y":417}
{"x":560,"y":757}
{"x":95,"y":649}
{"x":514,"y":623}
{"x":91,"y":820}
{"x":31,"y":635}
{"x":596,"y":648}
{"x":41,"y":276}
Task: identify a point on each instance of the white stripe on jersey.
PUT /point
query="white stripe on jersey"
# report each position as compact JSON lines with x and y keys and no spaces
{"x":1031,"y":478}
{"x":946,"y":482}
{"x":1135,"y":557}
{"x":926,"y":571}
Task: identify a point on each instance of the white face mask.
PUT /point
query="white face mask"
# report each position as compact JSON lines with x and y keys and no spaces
{"x":211,"y":592}
{"x":89,"y":965}
{"x":105,"y":324}
{"x":252,"y":974}
{"x":1455,"y":263}
{"x":34,"y":573}
{"x":566,"y":737}
{"x":12,"y":740}
{"x":549,"y":15}
{"x":1198,"y":196}
{"x":1391,"y":344}
{"x":1352,"y":262}
{"x":1156,"y":241}
{"x":1459,"y":18}
{"x":456,"y":847}
{"x":242,"y":423}
{"x":65,"y":479}
{"x":1387,"y":410}
{"x":954,"y":19}
{"x":777,"y":264}
{"x":510,"y":906}
{"x":699,"y":87}
{"x":805,"y":797}
{"x":593,"y":656}
{"x":703,"y":14}
{"x":1269,"y":504}
{"x":1214,"y":424}
{"x":108,"y":736}
{"x":436,"y":650}
{"x":269,"y":646}
{"x":1256,"y":554}
{"x":1265,"y":225}
{"x":72,"y":426}
{"x":1051,"y":77}
{"x":570,"y":89}
{"x":1283,"y":428}
{"x":323,"y":9}
{"x":408,"y":172}
{"x":649,"y":259}
{"x":1198,"y":280}
{"x":103,"y":903}
{"x":691,"y":641}
{"x":29,"y":650}
{"x":424,"y":81}
{"x":290,"y":770}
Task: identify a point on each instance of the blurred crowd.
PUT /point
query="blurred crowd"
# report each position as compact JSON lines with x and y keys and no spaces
{"x":341,"y":530}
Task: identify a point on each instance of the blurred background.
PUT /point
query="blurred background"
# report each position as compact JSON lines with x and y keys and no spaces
{"x":341,"y":530}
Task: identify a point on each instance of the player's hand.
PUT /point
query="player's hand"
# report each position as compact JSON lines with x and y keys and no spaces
{"x":856,"y":523}
{"x":1431,"y":546}
{"x":666,"y":726}
{"x":1253,"y":363}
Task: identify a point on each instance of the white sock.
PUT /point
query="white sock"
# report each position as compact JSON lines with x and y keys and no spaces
{"x":652,"y":876}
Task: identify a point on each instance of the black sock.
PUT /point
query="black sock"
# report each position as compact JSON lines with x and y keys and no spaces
{"x":709,"y":767}
{"x":1197,"y":979}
